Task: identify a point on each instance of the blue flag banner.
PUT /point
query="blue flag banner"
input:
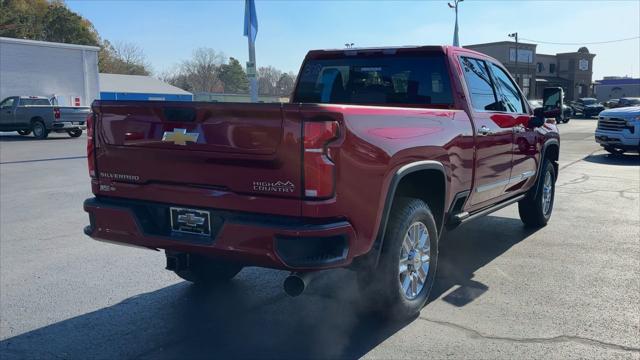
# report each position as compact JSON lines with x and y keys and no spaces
{"x":250,"y":20}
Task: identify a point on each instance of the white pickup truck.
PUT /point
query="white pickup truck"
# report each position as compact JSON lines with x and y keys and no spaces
{"x":619,"y":129}
{"x":27,"y":114}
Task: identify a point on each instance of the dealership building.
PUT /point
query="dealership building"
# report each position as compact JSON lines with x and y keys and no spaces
{"x":139,"y":87}
{"x":573,"y":71}
{"x":616,"y":87}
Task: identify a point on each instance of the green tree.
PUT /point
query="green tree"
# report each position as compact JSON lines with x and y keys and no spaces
{"x":64,"y":26}
{"x":233,"y":77}
{"x":53,"y":21}
{"x":285,"y":84}
{"x":46,"y":21}
{"x":23,"y":19}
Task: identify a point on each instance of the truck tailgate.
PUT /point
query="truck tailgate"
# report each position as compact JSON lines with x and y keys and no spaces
{"x":73,"y":114}
{"x":221,"y":148}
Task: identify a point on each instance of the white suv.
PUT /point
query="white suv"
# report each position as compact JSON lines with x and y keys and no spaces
{"x":619,"y":129}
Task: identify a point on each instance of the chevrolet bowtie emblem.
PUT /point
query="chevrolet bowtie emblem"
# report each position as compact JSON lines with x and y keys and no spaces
{"x":179,"y":136}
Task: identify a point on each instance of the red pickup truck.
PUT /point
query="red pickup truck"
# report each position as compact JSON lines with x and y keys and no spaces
{"x":379,"y":152}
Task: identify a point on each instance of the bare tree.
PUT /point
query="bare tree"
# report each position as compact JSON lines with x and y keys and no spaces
{"x":202,"y":71}
{"x":268,"y":80}
{"x":175,"y":77}
{"x":122,"y":58}
{"x":131,"y":54}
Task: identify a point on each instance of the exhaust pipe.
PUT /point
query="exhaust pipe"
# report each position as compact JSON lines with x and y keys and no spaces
{"x":295,"y":284}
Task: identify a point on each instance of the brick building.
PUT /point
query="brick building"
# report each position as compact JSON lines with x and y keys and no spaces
{"x":573,"y":71}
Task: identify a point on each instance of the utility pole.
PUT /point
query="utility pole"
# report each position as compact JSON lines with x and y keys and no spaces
{"x":515,"y":36}
{"x":454,"y":6}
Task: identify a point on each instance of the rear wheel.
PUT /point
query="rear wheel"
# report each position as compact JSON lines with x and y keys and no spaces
{"x":204,"y":271}
{"x":75,"y":133}
{"x":400,"y":285}
{"x":24,"y":132}
{"x":535,"y":209}
{"x":39,"y":130}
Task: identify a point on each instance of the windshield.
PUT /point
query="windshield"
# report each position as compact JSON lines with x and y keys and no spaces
{"x":632,"y":101}
{"x":376,"y":80}
{"x":535,"y":103}
{"x":588,"y":101}
{"x":28,"y":102}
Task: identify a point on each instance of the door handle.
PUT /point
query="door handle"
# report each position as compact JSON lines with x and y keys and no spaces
{"x":484,"y":131}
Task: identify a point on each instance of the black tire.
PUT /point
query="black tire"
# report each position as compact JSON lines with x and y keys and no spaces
{"x":24,"y":132}
{"x":204,"y":271}
{"x":75,"y":133}
{"x":380,"y":287}
{"x":614,"y":151}
{"x":39,"y":130}
{"x":532,"y":208}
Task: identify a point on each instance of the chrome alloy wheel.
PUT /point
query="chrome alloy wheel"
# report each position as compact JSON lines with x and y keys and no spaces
{"x":414,"y":260}
{"x":547,"y":193}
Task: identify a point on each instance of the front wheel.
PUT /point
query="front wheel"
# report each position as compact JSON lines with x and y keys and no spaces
{"x":24,"y":132}
{"x":535,"y":209}
{"x":400,"y":285}
{"x":75,"y":133}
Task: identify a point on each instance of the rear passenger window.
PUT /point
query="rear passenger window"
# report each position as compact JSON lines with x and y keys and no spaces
{"x":478,"y":81}
{"x":507,"y":91}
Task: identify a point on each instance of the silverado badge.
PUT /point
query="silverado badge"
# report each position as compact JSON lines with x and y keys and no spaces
{"x":179,"y":136}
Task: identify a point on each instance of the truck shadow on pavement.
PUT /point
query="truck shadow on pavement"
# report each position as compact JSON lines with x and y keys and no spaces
{"x":620,"y":160}
{"x":252,"y":318}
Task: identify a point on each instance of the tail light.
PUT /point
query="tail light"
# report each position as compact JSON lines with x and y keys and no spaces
{"x":56,"y":113}
{"x":91,"y":149}
{"x":319,"y":169}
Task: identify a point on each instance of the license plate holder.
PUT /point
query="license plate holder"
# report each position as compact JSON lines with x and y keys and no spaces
{"x":190,"y":221}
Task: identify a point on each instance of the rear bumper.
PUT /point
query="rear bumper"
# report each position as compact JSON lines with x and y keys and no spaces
{"x":251,"y":239}
{"x":68,"y":125}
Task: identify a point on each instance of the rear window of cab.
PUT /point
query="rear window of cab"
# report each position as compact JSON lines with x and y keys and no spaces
{"x":396,"y":79}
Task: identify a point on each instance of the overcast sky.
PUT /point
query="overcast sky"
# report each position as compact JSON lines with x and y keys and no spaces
{"x":168,"y":31}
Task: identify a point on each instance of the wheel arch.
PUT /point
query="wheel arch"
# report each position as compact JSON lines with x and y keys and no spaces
{"x":432,"y":177}
{"x":550,"y":151}
{"x":37,"y":118}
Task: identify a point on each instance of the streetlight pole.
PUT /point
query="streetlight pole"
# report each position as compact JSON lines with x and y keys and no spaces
{"x":515,"y":36}
{"x":454,"y":6}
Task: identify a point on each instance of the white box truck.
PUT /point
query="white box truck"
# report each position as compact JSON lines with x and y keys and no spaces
{"x":66,"y":72}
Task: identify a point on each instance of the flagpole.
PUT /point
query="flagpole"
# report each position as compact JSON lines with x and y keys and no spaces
{"x":253,"y":76}
{"x":251,"y":66}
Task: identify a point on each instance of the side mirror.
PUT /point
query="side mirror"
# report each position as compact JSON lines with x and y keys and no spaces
{"x":552,"y":101}
{"x":538,"y":118}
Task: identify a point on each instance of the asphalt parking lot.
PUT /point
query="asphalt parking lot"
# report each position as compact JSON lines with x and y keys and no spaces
{"x":569,"y":290}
